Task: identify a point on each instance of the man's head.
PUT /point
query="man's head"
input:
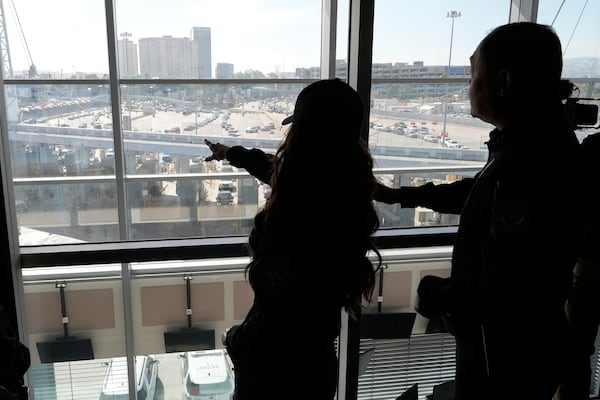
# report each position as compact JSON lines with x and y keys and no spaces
{"x":516,"y":65}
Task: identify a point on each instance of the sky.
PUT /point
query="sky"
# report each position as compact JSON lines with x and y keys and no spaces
{"x":275,"y":35}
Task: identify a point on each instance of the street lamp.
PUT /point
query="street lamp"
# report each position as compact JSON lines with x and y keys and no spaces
{"x":129,"y":126}
{"x":451,"y":14}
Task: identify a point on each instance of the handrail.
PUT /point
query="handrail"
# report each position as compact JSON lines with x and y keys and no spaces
{"x":205,"y":266}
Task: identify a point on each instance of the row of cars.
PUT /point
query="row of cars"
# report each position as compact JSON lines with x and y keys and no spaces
{"x":205,"y":375}
{"x":232,"y":131}
{"x":419,"y":131}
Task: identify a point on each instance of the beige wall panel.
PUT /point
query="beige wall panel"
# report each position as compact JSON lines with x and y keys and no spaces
{"x":42,"y":311}
{"x":397,"y":290}
{"x":166,"y":305}
{"x":86,"y":309}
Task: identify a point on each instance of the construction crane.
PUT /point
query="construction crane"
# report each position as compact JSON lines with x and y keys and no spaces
{"x":12,"y":99}
{"x":7,"y":70}
{"x":6,"y":62}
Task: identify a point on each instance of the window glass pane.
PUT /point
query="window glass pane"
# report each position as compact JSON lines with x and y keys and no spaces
{"x":576,"y":23}
{"x":58,"y":130}
{"x":420,"y":127}
{"x":417,"y":36}
{"x":65,"y":132}
{"x":63,"y":159}
{"x":61,"y":142}
{"x":164,"y":130}
{"x":186,"y":114}
{"x":63,"y":39}
{"x":343,"y":16}
{"x":207,"y":40}
{"x":59,"y":213}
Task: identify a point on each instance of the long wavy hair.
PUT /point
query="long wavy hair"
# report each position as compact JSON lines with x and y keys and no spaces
{"x":320,"y":216}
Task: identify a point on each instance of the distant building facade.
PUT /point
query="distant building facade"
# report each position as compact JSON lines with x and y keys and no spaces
{"x":202,"y":63}
{"x":401,"y":70}
{"x":224,"y":71}
{"x":128,"y":58}
{"x":167,"y":57}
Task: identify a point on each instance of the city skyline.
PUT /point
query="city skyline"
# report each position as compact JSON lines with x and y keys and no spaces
{"x":271,"y":36}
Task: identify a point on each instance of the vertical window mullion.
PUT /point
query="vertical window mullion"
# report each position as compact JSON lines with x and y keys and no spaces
{"x":123,"y":214}
{"x":360,"y":51}
{"x":115,"y":97}
{"x":328,"y":38}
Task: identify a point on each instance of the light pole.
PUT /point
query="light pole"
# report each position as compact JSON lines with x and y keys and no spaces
{"x":129,"y":126}
{"x":451,"y":14}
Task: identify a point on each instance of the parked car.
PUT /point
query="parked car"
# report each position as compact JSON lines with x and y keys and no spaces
{"x":207,"y":375}
{"x":413,"y":131}
{"x":227,"y":186}
{"x":451,"y":143}
{"x":116,"y":385}
{"x":224,"y":198}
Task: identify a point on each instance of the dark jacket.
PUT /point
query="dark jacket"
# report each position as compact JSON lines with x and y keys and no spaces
{"x":512,"y":260}
{"x":591,"y":199}
{"x":285,"y":346}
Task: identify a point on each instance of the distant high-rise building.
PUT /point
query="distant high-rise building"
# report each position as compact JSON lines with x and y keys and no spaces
{"x":224,"y":71}
{"x":178,"y":58}
{"x":202,"y":57}
{"x":127,"y":57}
{"x":166,"y":57}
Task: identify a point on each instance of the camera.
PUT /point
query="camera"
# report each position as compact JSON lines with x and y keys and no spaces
{"x":582,"y":112}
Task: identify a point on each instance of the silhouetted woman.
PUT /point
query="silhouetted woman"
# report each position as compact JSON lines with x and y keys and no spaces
{"x":309,"y":248}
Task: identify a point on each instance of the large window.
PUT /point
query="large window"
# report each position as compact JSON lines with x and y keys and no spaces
{"x":114,"y":210}
{"x":101,"y":156}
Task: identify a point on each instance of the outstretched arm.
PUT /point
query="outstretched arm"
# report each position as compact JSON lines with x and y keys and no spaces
{"x":445,"y":198}
{"x":258,"y":163}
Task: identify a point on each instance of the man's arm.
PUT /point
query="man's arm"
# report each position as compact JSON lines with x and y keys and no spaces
{"x":445,"y":198}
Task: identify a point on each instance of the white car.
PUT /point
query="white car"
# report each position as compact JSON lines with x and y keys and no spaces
{"x":451,"y":143}
{"x":430,"y":138}
{"x":207,"y":375}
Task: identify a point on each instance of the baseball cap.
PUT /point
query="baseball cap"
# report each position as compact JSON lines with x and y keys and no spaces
{"x":327,"y":102}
